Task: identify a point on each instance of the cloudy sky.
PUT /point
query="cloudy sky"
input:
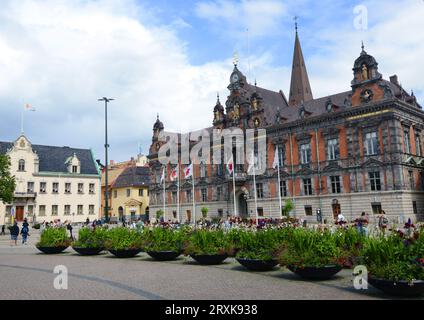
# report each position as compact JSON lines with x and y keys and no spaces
{"x":172,"y":57}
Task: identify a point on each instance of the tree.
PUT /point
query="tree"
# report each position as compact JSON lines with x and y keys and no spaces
{"x":205,"y":212}
{"x":7,"y":182}
{"x":288,"y":207}
{"x":159,"y":214}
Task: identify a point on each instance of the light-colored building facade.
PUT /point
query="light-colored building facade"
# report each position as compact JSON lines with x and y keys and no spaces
{"x":51,"y":183}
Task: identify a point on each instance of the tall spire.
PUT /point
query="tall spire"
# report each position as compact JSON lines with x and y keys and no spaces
{"x":300,"y":89}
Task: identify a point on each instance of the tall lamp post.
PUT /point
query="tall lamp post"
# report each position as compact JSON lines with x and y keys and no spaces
{"x":106,"y":101}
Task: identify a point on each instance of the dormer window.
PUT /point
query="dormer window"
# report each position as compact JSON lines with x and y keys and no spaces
{"x":74,"y":169}
{"x":21,"y":165}
{"x":73,"y":164}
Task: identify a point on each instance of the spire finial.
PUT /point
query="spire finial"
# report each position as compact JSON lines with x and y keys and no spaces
{"x":295,"y":23}
{"x":363,"y":46}
{"x":235,"y":58}
{"x":158,"y":116}
{"x":217,"y":98}
{"x":256,"y":83}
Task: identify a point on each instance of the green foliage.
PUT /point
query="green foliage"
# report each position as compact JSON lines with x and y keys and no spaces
{"x":258,"y":245}
{"x":36,"y":226}
{"x":288,"y":207}
{"x":122,"y":239}
{"x":350,"y":241}
{"x":395,"y":257}
{"x":163,"y":239}
{"x":204,"y":212}
{"x":7,"y":182}
{"x":88,"y":238}
{"x":159,"y":214}
{"x":311,"y":248}
{"x":54,"y":237}
{"x":207,"y":242}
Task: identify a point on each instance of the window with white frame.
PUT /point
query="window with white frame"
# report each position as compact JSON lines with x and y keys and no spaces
{"x":67,"y":188}
{"x":283,"y":188}
{"x":371,"y":143}
{"x":335,"y":184}
{"x":80,"y":210}
{"x":80,"y":188}
{"x":307,"y":187}
{"x":418,"y":144}
{"x":21,"y":165}
{"x":42,"y":210}
{"x":305,"y":153}
{"x":375,"y":181}
{"x":30,"y":187}
{"x":406,"y":141}
{"x":332,"y":149}
{"x":91,"y":209}
{"x":55,"y":210}
{"x":67,"y":210}
{"x":43,"y":187}
{"x":91,"y":188}
{"x":204,"y":195}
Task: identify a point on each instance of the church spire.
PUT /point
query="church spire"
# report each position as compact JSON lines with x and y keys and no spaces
{"x":300,"y":89}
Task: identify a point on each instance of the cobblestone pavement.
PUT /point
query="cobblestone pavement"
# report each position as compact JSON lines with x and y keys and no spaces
{"x":27,"y":274}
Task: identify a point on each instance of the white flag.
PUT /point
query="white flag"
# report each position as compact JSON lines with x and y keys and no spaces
{"x":188,"y":171}
{"x":276,"y":162}
{"x":230,"y":166}
{"x":251,"y":163}
{"x":162,"y":178}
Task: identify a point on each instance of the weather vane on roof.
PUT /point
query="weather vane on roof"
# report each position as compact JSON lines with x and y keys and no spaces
{"x":296,"y":18}
{"x":235,"y":58}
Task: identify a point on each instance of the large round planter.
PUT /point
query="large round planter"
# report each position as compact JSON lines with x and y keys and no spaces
{"x":52,"y":250}
{"x":130,"y":253}
{"x":88,"y":251}
{"x":164,"y":255}
{"x":258,"y":265}
{"x":398,"y":288}
{"x":316,"y":273}
{"x":209,"y":259}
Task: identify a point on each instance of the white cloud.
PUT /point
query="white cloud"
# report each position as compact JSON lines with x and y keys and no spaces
{"x":62,"y":56}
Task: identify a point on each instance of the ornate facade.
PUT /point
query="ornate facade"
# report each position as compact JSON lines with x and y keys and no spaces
{"x":358,"y":150}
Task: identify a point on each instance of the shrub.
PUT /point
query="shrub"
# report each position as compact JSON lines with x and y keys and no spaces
{"x":350,"y":241}
{"x":163,"y":239}
{"x":205,"y":212}
{"x":122,"y":239}
{"x":207,"y":242}
{"x":54,"y":237}
{"x":310,"y":248}
{"x":395,"y":257}
{"x":159,"y":214}
{"x":36,"y":226}
{"x":88,"y":238}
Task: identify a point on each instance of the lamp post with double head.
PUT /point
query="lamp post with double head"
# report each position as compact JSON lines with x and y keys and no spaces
{"x":106,"y":101}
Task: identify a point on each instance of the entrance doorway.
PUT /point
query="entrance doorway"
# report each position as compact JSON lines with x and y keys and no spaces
{"x":242,"y":206}
{"x":336,"y":209}
{"x":20,"y":214}
{"x":121,"y":214}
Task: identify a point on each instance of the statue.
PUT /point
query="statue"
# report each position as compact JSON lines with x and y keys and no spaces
{"x":217,"y":116}
{"x":364,"y":72}
{"x":255,"y":104}
{"x":236,"y":111}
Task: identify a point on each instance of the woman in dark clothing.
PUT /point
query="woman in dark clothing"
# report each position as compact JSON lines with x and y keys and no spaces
{"x":14,"y":233}
{"x":24,"y":233}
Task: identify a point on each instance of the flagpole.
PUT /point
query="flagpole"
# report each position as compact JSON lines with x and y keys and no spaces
{"x":194,"y":203}
{"x":234,"y":190}
{"x":256,"y":193}
{"x":279,"y":183}
{"x":178,"y":193}
{"x":164,"y":193}
{"x":22,"y":122}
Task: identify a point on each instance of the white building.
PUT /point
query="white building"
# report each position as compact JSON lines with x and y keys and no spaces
{"x":51,"y":183}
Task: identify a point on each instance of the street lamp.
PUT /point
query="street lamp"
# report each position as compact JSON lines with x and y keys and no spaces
{"x":106,"y":101}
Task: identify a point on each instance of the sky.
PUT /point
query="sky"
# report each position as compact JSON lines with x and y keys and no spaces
{"x":172,"y":57}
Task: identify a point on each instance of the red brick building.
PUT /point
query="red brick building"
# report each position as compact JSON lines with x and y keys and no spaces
{"x":358,"y":150}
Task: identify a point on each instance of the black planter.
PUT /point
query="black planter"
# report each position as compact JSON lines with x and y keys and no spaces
{"x":209,"y":259}
{"x":316,"y":273}
{"x":164,"y":255}
{"x":88,"y":251}
{"x":130,"y":253}
{"x":257,"y":265}
{"x":399,"y":288}
{"x":52,"y":250}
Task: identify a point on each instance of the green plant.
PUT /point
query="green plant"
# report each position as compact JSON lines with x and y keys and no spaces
{"x":122,"y":239}
{"x":311,"y":248}
{"x":207,"y":242}
{"x":395,"y":257}
{"x":36,"y":226}
{"x":7,"y":181}
{"x":159,"y":214}
{"x":287,"y":208}
{"x":205,"y":212}
{"x":163,"y":239}
{"x":88,"y":238}
{"x":54,"y":237}
{"x":350,"y":241}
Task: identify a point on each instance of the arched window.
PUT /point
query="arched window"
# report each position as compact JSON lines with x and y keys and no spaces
{"x":21,"y":166}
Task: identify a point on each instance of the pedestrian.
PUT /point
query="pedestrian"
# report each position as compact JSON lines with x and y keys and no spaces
{"x":341,"y":220}
{"x":25,"y":224}
{"x":87,"y":222}
{"x":69,"y":227}
{"x":383,"y":222}
{"x":24,"y":233}
{"x":14,"y":233}
{"x":362,"y":224}
{"x":2,"y":230}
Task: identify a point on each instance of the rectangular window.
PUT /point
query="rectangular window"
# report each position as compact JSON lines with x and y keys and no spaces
{"x":376,"y":208}
{"x":305,"y":153}
{"x":414,"y":207}
{"x":55,"y":210}
{"x":411,"y":180}
{"x":128,"y":193}
{"x":335,"y":184}
{"x":219,"y":193}
{"x":418,"y":144}
{"x":202,"y":170}
{"x":91,"y":188}
{"x":260,"y":190}
{"x":332,"y":149}
{"x":30,"y":187}
{"x":42,"y":211}
{"x":55,"y":188}
{"x":371,"y":143}
{"x":308,"y":210}
{"x":30,"y":210}
{"x":281,"y":155}
{"x":80,"y":188}
{"x":375,"y":181}
{"x":141,"y":192}
{"x":74,"y":169}
{"x":174,"y":197}
{"x":115,"y":194}
{"x":67,"y":210}
{"x":67,"y":188}
{"x":91,"y":209}
{"x":43,"y":187}
{"x":204,"y":195}
{"x":283,"y":188}
{"x":188,"y":196}
{"x":406,"y":141}
{"x":307,"y":187}
{"x":260,"y":212}
{"x":80,"y":210}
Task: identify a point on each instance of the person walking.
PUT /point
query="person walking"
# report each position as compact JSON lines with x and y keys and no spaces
{"x":25,"y":233}
{"x":14,"y":233}
{"x":383,"y":222}
{"x":2,"y":230}
{"x":341,"y":220}
{"x":362,"y":224}
{"x":70,"y":228}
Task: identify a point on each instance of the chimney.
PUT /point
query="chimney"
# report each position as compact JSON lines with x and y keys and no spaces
{"x":394,"y":80}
